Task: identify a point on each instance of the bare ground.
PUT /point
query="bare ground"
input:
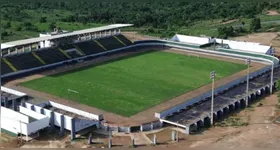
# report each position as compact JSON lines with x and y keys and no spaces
{"x":273,"y":13}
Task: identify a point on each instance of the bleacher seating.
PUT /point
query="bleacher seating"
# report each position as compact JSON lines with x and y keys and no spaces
{"x":5,"y":68}
{"x":24,"y":61}
{"x":66,"y":47}
{"x":110,"y":43}
{"x":124,"y":39}
{"x":51,"y":55}
{"x":74,"y":54}
{"x":89,"y":47}
{"x":55,"y":55}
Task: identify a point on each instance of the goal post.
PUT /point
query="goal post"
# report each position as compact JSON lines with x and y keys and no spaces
{"x":73,"y":91}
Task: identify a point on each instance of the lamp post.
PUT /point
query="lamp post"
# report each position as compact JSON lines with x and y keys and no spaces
{"x":0,"y":70}
{"x":271,"y":76}
{"x":212,"y":76}
{"x":248,"y":62}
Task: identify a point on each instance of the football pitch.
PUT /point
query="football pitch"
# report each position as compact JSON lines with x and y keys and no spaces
{"x":132,"y":84}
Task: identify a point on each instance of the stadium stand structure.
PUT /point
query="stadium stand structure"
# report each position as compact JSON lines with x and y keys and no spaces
{"x":62,"y":53}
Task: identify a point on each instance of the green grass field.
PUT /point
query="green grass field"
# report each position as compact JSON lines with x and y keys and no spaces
{"x":132,"y":84}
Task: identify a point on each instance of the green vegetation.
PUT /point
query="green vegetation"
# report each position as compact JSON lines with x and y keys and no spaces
{"x":164,"y":19}
{"x":233,"y":122}
{"x":133,"y":84}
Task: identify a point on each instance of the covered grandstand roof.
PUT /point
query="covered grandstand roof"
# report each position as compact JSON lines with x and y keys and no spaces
{"x":246,"y":46}
{"x":191,"y":39}
{"x":79,"y":32}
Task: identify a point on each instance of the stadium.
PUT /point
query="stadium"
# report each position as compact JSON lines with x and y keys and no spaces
{"x":104,"y":78}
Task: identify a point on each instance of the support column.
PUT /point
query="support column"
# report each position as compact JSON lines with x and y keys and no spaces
{"x":173,"y":135}
{"x":32,"y":107}
{"x":187,"y":130}
{"x":23,"y":104}
{"x":6,"y":102}
{"x":110,"y":142}
{"x":52,"y":120}
{"x":62,"y":122}
{"x":30,"y":48}
{"x":14,"y":105}
{"x":9,"y":51}
{"x":42,"y":111}
{"x":73,"y":131}
{"x":132,"y":142}
{"x":152,"y":126}
{"x":100,"y":34}
{"x":155,"y":140}
{"x":90,"y":139}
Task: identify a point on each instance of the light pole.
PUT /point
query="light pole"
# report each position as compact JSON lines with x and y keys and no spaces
{"x":248,"y":62}
{"x":0,"y":70}
{"x":212,"y":76}
{"x":271,"y":76}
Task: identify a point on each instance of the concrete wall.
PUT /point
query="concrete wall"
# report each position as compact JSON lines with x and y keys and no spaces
{"x":76,"y":111}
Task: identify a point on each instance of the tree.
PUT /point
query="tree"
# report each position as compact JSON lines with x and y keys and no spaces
{"x":43,"y":19}
{"x":52,"y":26}
{"x":225,"y":32}
{"x":255,"y":24}
{"x":8,"y":25}
{"x":18,"y":28}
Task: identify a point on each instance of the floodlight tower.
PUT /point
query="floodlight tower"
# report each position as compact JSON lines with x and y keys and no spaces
{"x":212,"y":76}
{"x":248,"y":62}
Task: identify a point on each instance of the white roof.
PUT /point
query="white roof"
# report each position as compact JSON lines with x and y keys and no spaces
{"x":191,"y":39}
{"x":246,"y":46}
{"x":39,"y":39}
{"x":11,"y":91}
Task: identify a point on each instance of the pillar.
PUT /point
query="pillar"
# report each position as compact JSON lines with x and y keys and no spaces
{"x":30,"y":48}
{"x":42,"y":111}
{"x":90,"y":139}
{"x":132,"y":142}
{"x":52,"y":120}
{"x":152,"y":126}
{"x":9,"y":51}
{"x":173,"y":135}
{"x":14,"y":104}
{"x":23,"y":104}
{"x":62,"y":122}
{"x":5,"y":102}
{"x":73,"y":131}
{"x":115,"y":31}
{"x":155,"y":140}
{"x":100,"y":34}
{"x":187,"y":130}
{"x":32,"y":107}
{"x":16,"y":50}
{"x":110,"y":143}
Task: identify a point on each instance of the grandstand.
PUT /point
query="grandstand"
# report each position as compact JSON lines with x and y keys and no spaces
{"x":14,"y":63}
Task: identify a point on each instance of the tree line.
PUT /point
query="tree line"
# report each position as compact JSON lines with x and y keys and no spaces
{"x":156,"y":15}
